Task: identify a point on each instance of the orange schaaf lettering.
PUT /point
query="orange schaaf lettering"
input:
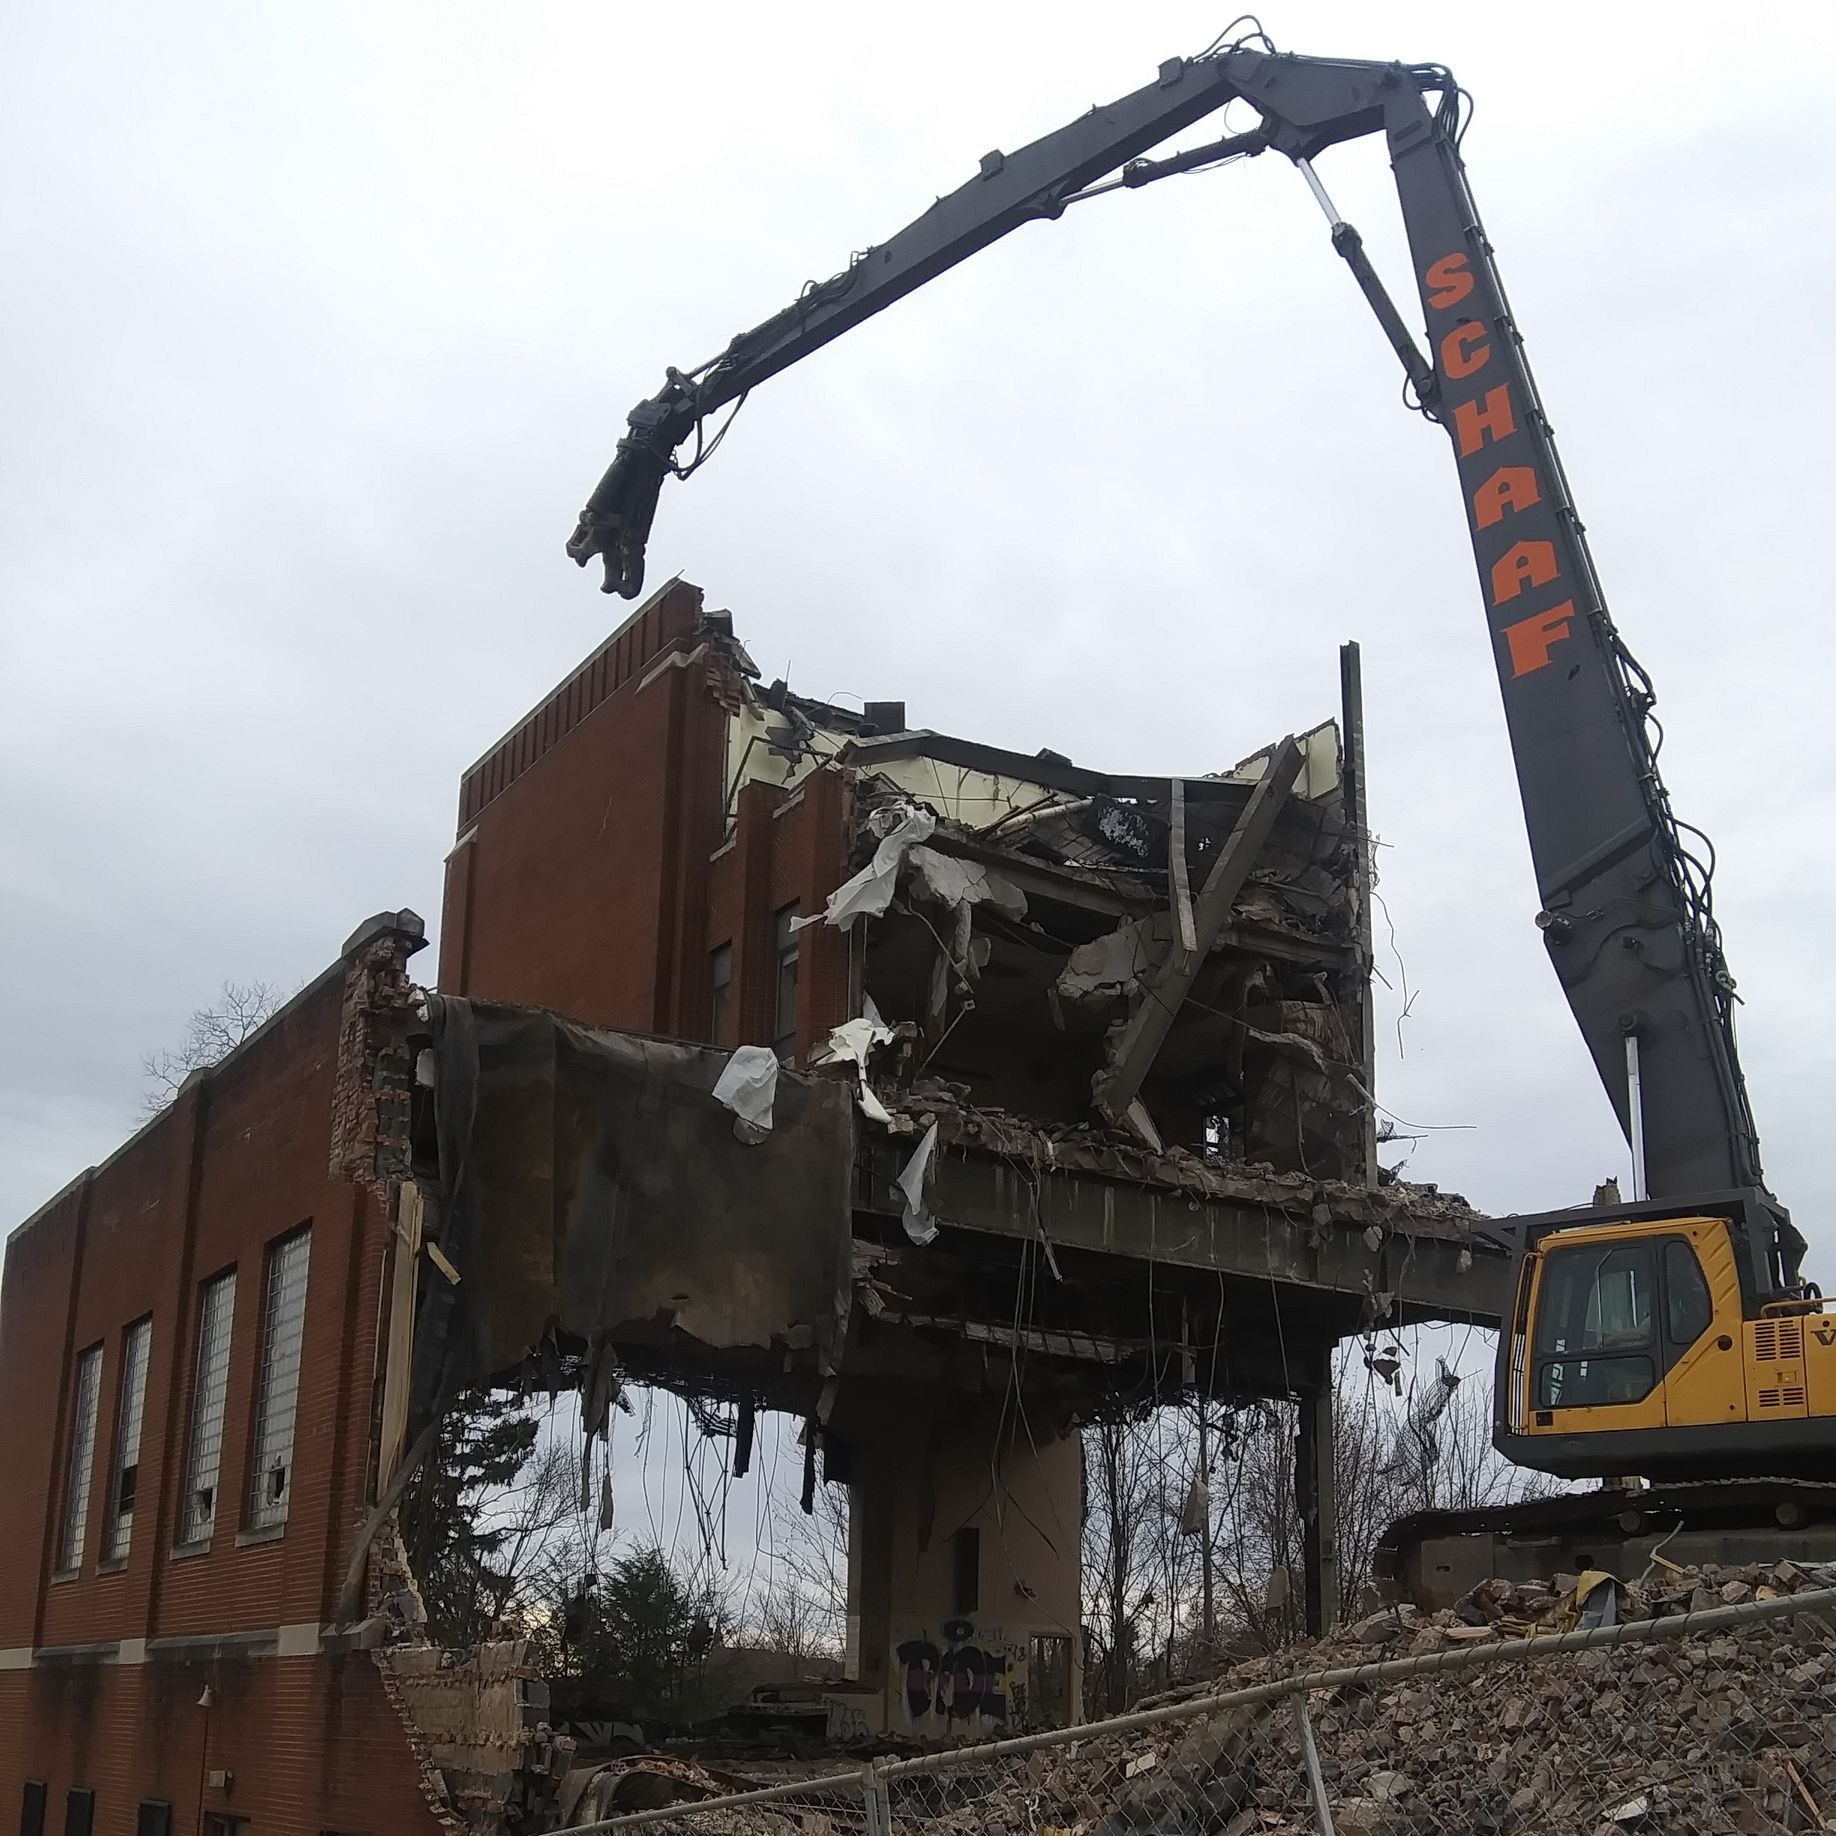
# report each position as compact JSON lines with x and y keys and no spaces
{"x":1531,"y":641}
{"x":1489,"y":418}
{"x":1463,"y":350}
{"x":1511,"y":487}
{"x":1451,"y":278}
{"x":1523,"y":564}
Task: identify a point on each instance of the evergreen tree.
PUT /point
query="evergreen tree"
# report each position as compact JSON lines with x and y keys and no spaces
{"x":645,"y":1637}
{"x":484,"y":1444}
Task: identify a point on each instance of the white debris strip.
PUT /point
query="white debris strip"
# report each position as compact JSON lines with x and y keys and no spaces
{"x":1195,"y":1513}
{"x":853,"y":1042}
{"x":1109,"y":965}
{"x":1415,"y":1440}
{"x":748,"y":1085}
{"x":899,"y":827}
{"x":956,"y":882}
{"x":919,"y":1224}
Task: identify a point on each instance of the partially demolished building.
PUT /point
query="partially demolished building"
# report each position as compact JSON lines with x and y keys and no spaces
{"x":784,"y":1055}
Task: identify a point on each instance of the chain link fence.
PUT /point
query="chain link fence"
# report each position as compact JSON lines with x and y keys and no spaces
{"x":1702,"y":1723}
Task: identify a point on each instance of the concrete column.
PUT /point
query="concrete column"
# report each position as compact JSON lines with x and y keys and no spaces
{"x":1316,"y":1492}
{"x":963,"y":1601}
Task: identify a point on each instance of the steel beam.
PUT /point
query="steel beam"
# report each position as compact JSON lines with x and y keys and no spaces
{"x":1166,"y":986}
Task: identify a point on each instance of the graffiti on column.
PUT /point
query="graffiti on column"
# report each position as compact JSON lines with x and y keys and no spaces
{"x":968,"y":1676}
{"x":847,"y":1721}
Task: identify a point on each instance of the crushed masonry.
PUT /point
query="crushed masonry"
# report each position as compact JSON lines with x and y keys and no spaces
{"x":1732,"y":1730}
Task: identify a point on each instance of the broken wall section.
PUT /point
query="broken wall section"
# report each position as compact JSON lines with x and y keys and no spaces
{"x":1187,"y":958}
{"x":668,"y":801}
{"x":480,"y":1718}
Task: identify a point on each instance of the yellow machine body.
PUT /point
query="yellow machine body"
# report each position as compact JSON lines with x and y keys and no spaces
{"x":1633,"y":1350}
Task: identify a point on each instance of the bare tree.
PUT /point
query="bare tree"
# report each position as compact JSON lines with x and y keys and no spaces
{"x":211,"y":1034}
{"x":802,"y":1607}
{"x":544,"y":1540}
{"x":1120,"y":1528}
{"x":1429,"y":1448}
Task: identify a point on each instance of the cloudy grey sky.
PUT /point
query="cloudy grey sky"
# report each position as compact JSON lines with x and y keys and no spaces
{"x":322,"y":319}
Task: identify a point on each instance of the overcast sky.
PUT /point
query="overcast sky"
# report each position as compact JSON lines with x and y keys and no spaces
{"x":323,"y":319}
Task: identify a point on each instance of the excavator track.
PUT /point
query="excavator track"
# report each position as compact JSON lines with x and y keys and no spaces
{"x":1434,"y":1557}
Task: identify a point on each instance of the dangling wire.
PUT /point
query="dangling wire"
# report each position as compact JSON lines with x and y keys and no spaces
{"x":705,"y":452}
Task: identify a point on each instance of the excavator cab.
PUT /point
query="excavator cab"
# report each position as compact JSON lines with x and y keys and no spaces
{"x":1670,"y":1343}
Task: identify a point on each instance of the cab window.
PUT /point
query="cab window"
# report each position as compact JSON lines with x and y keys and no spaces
{"x":1596,"y":1326}
{"x":1688,"y":1310}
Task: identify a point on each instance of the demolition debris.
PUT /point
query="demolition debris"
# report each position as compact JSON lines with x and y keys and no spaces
{"x":1728,"y":1728}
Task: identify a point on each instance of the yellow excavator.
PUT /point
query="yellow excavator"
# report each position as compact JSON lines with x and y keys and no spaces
{"x":1672,"y":1337}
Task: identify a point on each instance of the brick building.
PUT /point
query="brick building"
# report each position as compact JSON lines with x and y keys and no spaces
{"x":187,"y":1348}
{"x":217,"y":1346}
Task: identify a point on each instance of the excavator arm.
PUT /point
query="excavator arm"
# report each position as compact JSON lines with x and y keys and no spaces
{"x":1624,"y":886}
{"x":1038,"y":181}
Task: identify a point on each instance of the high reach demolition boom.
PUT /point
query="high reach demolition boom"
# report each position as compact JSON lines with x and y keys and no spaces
{"x":1626,"y":908}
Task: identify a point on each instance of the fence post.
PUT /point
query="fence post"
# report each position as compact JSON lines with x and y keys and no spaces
{"x":1310,"y":1759}
{"x":879,"y":1805}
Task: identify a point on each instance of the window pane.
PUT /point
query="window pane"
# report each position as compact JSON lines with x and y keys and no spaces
{"x":124,"y":1474}
{"x":720,"y":1007}
{"x":283,"y":1315}
{"x":82,"y":1459}
{"x":204,"y":1447}
{"x":1592,"y":1383}
{"x":1596,"y":1299}
{"x":966,"y":1565}
{"x":1686,"y":1294}
{"x":784,"y":1000}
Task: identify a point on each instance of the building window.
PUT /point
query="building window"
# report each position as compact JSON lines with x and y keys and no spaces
{"x":1595,"y":1327}
{"x":720,"y":1002}
{"x":79,"y":1811}
{"x":204,"y":1445}
{"x":124,"y":1472}
{"x":966,"y":1566}
{"x":154,"y":1818}
{"x":1691,"y":1311}
{"x":32,"y":1808}
{"x":784,"y":986}
{"x":82,"y":1459}
{"x":283,"y":1315}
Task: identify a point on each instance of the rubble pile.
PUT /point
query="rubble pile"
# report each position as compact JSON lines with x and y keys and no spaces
{"x":657,"y":1781}
{"x":1731,"y":1731}
{"x":1728,"y":1730}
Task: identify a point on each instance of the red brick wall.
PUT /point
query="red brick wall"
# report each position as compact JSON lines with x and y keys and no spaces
{"x":312,"y":1745}
{"x":35,"y":1296}
{"x":241,"y":1158}
{"x":597,"y":879}
{"x":785,"y":850}
{"x":581,"y":883}
{"x":238,"y":1161}
{"x":808,"y":861}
